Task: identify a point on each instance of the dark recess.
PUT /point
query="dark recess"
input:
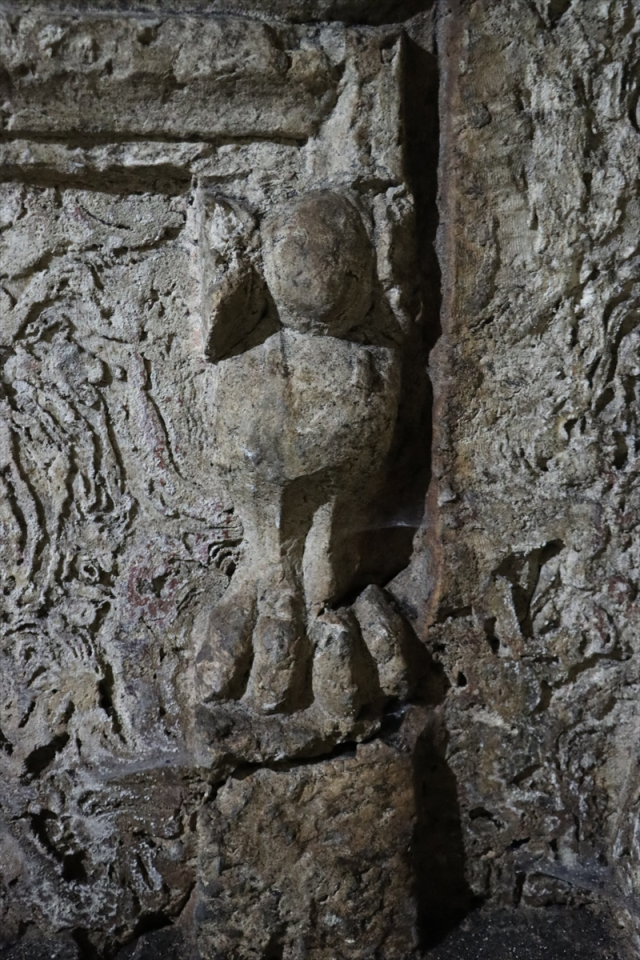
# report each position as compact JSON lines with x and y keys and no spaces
{"x":373,"y":12}
{"x":387,"y":543}
{"x":443,"y":894}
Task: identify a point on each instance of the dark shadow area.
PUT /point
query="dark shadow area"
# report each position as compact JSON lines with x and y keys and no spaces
{"x":373,"y":13}
{"x":561,"y":933}
{"x":167,"y":180}
{"x":167,"y":943}
{"x":386,"y":544}
{"x":43,"y":948}
{"x":443,"y":895}
{"x":422,"y":140}
{"x":164,"y":942}
{"x":363,"y":11}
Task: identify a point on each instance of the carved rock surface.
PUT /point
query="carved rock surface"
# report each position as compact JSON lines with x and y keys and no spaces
{"x":205,"y":315}
{"x":326,"y":230}
{"x":256,"y":699}
{"x":311,"y":861}
{"x":180,"y":77}
{"x":533,"y":510}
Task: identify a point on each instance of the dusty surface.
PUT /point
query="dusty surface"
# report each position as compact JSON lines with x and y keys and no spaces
{"x":244,"y":711}
{"x":533,"y":512}
{"x":204,"y":399}
{"x":529,"y":934}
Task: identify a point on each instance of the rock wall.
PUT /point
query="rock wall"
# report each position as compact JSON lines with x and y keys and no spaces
{"x":534,"y":500}
{"x":318,"y":580}
{"x":213,"y":395}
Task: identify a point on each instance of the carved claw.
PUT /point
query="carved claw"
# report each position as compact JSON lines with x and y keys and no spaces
{"x":385,"y":634}
{"x":344,"y":675}
{"x":280,"y":644}
{"x":224,"y":636}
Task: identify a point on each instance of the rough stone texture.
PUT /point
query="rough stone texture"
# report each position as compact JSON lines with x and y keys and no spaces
{"x":338,"y":876}
{"x":181,"y":77}
{"x":244,"y":711}
{"x":530,"y":543}
{"x":291,"y":11}
{"x":210,"y":348}
{"x":529,"y":934}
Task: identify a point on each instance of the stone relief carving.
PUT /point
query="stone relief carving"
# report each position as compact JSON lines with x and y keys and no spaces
{"x":204,"y":319}
{"x":215,"y":735}
{"x":303,"y":423}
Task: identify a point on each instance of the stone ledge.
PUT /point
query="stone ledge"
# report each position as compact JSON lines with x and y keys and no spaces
{"x":373,"y":12}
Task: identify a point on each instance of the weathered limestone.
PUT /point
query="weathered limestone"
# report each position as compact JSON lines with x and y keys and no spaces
{"x":175,"y":78}
{"x":303,"y":421}
{"x":207,"y":311}
{"x":534,"y":500}
{"x":311,"y":861}
{"x":257,"y":700}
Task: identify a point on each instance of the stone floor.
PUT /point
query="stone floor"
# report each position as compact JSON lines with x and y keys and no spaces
{"x":507,"y":934}
{"x":528,"y":934}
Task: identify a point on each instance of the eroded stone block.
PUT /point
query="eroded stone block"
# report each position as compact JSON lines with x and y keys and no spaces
{"x":311,"y":861}
{"x":171,"y":77}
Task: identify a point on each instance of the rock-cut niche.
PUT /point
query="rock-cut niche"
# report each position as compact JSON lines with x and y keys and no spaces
{"x":213,"y":463}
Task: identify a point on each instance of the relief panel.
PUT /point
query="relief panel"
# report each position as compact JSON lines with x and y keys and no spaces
{"x":205,"y":321}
